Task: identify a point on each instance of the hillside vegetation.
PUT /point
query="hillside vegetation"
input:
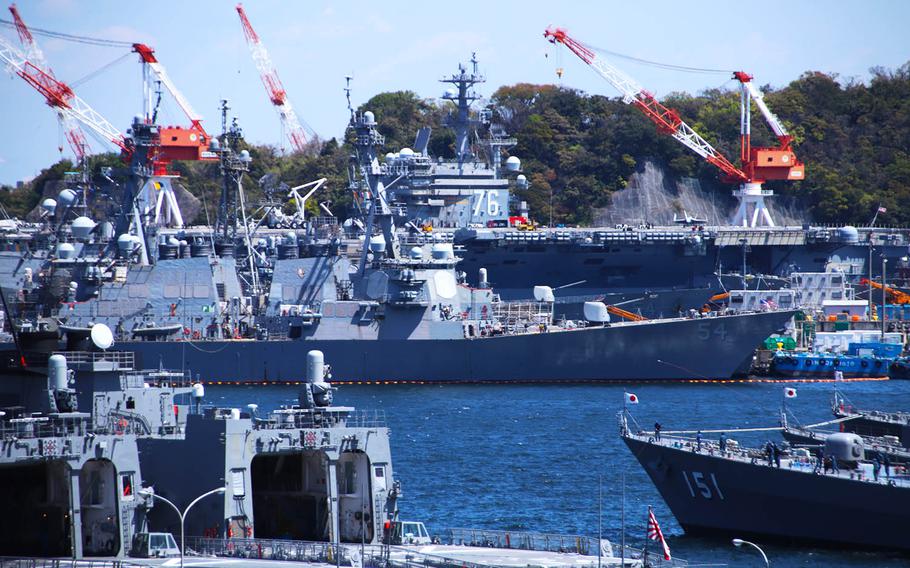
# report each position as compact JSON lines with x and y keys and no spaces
{"x":578,"y":149}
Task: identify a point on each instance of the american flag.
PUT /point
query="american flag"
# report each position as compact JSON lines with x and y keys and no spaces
{"x":654,"y":533}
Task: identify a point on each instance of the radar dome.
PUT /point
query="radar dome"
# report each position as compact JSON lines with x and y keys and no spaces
{"x":369,"y":117}
{"x":416,"y":253}
{"x":443,"y":251}
{"x":245,"y":156}
{"x":848,"y":234}
{"x":49,"y":205}
{"x":521,"y":181}
{"x":513,"y":164}
{"x":66,"y":250}
{"x":125,"y":242}
{"x":82,"y":227}
{"x":67,"y":197}
{"x":377,"y":244}
{"x":405,"y":152}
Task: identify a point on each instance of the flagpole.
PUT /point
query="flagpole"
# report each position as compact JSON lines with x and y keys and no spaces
{"x":600,"y":516}
{"x":622,"y":522}
{"x":647,"y":537}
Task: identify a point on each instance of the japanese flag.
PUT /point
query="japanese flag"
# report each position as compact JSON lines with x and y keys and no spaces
{"x":789,"y":392}
{"x":631,"y":398}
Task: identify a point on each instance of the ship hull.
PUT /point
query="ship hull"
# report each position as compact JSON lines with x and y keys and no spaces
{"x":708,"y":348}
{"x":725,"y":498}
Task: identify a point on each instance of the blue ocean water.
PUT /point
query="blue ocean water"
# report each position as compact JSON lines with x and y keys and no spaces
{"x":530,"y":457}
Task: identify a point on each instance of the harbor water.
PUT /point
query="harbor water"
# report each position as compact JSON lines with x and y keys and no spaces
{"x":531,"y":457}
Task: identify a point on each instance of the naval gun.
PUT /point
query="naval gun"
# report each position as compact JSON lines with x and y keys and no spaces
{"x":316,"y":392}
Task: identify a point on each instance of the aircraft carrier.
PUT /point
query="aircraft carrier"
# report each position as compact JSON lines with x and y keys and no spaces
{"x":232,"y":304}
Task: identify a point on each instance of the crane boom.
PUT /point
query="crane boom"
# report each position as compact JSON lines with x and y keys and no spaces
{"x":667,"y":120}
{"x":898,"y":296}
{"x":147,"y":55}
{"x":73,"y":133}
{"x":59,"y":95}
{"x":272,"y":83}
{"x":759,"y":99}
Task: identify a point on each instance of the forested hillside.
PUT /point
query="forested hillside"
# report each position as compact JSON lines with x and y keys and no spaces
{"x":578,"y":149}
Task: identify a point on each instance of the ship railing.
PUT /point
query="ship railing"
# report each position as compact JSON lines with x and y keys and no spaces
{"x":759,"y":456}
{"x":338,"y":554}
{"x":322,"y":418}
{"x":45,"y":426}
{"x":560,"y":543}
{"x":139,"y":379}
{"x":100,"y":360}
{"x":10,"y":562}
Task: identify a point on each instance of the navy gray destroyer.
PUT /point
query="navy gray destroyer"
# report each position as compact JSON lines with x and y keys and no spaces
{"x":97,"y":453}
{"x":238,"y":303}
{"x":840,"y":497}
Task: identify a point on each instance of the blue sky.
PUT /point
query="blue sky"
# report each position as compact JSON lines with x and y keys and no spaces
{"x":395,"y":45}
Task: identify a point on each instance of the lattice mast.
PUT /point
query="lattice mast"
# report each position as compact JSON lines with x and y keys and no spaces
{"x":273,"y":86}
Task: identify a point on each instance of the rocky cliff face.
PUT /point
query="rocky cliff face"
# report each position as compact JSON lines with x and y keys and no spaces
{"x":654,"y":196}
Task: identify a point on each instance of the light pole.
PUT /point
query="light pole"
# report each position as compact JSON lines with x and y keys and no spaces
{"x":737,"y":542}
{"x":182,"y":515}
{"x":884,"y":294}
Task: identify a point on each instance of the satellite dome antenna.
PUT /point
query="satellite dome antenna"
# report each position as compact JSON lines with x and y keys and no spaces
{"x":102,"y":337}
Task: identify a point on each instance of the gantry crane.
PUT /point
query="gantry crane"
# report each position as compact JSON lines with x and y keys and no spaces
{"x":273,"y":87}
{"x":757,"y":164}
{"x":71,"y":130}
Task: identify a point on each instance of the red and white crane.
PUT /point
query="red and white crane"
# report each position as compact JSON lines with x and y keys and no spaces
{"x":177,"y":143}
{"x":757,"y":164}
{"x":275,"y":90}
{"x":59,"y":95}
{"x":71,"y":130}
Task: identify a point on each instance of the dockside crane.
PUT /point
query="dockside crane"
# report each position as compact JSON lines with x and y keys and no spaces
{"x":758,"y":164}
{"x":148,"y":149}
{"x":59,"y":96}
{"x":273,"y":86}
{"x":71,"y":130}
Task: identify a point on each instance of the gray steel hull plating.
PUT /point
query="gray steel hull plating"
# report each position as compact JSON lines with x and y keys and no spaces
{"x":743,"y":500}
{"x":711,"y":348}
